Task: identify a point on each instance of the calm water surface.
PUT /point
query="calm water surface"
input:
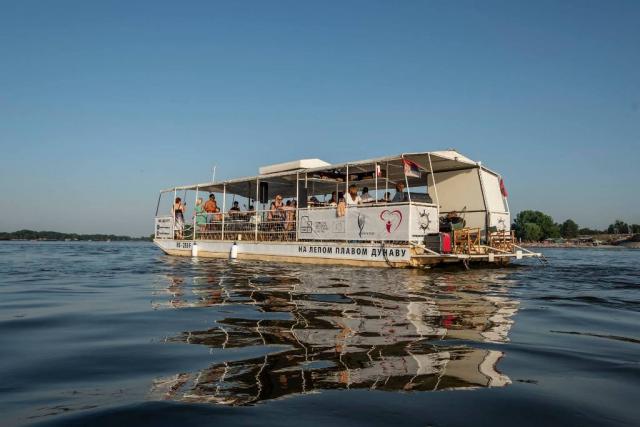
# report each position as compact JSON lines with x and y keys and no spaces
{"x":118,"y":333}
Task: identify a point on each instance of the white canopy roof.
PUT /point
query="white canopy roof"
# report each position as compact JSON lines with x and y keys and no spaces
{"x":320,"y":172}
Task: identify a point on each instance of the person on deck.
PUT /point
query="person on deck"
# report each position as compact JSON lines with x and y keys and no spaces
{"x":178,"y":209}
{"x":400,"y":195}
{"x":333,"y":201}
{"x":200,"y":215}
{"x":234,"y":211}
{"x":365,"y":197}
{"x":289,"y":215}
{"x":210,"y":207}
{"x":352,"y":197}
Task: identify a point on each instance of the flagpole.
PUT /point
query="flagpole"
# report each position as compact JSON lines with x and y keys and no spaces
{"x":375,"y":167}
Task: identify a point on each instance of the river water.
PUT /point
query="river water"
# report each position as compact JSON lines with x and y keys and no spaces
{"x":119,"y":333}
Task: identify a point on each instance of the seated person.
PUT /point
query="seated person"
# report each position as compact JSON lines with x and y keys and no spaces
{"x":352,"y":197}
{"x":333,"y":201}
{"x":400,"y":195}
{"x":386,"y":198}
{"x":277,"y":209}
{"x":365,"y":197}
{"x":313,"y":201}
{"x":234,"y":211}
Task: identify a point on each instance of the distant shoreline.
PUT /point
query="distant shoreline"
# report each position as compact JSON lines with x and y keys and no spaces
{"x":539,"y":245}
{"x":54,"y":236}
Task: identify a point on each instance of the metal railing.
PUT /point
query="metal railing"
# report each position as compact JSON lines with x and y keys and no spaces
{"x":258,"y":225}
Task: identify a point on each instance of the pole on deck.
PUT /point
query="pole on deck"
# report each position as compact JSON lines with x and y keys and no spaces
{"x":386,"y":182}
{"x":297,"y":202}
{"x":375,"y":174}
{"x":406,"y":179}
{"x":173,"y":212}
{"x":255,"y":208}
{"x":224,"y":208}
{"x":195,"y":216}
{"x":435,"y":187}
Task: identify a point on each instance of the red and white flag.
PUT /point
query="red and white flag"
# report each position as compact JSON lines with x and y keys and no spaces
{"x":411,"y":168}
{"x":378,"y":170}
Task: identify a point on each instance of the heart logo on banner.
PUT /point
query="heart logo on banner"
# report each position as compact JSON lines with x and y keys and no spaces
{"x":392,"y":219}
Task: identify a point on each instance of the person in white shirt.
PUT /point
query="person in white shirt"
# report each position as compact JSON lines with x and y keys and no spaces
{"x":352,"y":198}
{"x":365,"y":197}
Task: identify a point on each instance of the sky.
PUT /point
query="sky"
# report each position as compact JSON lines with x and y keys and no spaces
{"x":102,"y":104}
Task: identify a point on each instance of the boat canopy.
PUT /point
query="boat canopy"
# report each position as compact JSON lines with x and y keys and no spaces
{"x":323,"y":179}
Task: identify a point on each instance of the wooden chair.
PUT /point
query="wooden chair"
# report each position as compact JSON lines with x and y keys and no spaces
{"x":467,"y":241}
{"x":502,"y":240}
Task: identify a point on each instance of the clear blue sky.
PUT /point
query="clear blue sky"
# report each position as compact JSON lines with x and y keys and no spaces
{"x":104,"y":103}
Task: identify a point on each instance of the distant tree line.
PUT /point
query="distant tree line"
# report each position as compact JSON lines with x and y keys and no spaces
{"x":54,"y":235}
{"x":535,"y":226}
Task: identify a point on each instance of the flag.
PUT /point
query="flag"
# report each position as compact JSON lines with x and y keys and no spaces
{"x":411,"y":169}
{"x":378,"y":170}
{"x":503,"y":189}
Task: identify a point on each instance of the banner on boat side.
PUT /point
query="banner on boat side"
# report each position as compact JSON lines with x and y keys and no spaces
{"x":363,"y":223}
{"x":164,"y":227}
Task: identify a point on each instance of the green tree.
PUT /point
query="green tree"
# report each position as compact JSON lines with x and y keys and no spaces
{"x":532,"y":232}
{"x":635,"y":228}
{"x":548,"y":228}
{"x":618,"y":227}
{"x":569,"y":229}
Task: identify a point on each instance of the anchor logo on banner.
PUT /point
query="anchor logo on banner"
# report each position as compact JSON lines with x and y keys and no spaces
{"x":392,"y":219}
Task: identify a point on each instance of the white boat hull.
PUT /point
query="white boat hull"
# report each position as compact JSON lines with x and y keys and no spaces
{"x":327,"y":253}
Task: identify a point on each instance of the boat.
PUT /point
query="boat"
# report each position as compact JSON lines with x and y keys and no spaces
{"x":416,"y":210}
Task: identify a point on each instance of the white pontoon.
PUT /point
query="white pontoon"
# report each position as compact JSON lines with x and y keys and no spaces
{"x":451,"y":210}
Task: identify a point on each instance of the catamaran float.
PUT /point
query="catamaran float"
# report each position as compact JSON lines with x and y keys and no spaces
{"x":445,"y":208}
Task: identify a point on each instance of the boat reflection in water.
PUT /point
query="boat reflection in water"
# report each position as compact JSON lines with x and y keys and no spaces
{"x":315,"y":329}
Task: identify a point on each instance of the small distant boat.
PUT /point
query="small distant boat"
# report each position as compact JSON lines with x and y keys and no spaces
{"x":420,"y":210}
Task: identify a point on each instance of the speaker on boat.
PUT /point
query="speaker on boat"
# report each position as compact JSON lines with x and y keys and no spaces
{"x":264,"y":192}
{"x":302,"y":195}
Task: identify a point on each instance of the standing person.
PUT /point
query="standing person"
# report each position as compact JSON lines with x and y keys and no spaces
{"x":352,"y":197}
{"x":178,"y":217}
{"x":289,"y":213}
{"x":365,"y":197}
{"x":210,"y":207}
{"x":200,"y":215}
{"x":400,"y":195}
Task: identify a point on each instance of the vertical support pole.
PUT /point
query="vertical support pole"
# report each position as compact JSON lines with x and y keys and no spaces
{"x":158,"y":205}
{"x":346,"y":188}
{"x":255,"y":213}
{"x":295,"y":224}
{"x":386,"y":182}
{"x":484,"y":200}
{"x":224,"y":207}
{"x":406,"y":180}
{"x":195,"y":216}
{"x":435,"y":187}
{"x":173,"y":212}
{"x":375,"y":174}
